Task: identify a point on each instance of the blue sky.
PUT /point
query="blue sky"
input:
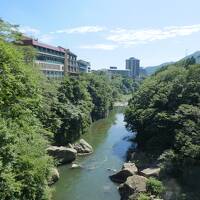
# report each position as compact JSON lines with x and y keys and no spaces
{"x":106,"y":32}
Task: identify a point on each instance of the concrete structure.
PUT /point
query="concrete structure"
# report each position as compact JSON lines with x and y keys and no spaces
{"x":113,"y":67}
{"x":84,"y":66}
{"x":133,"y":65}
{"x":54,"y":62}
{"x":71,"y":65}
{"x":122,"y":72}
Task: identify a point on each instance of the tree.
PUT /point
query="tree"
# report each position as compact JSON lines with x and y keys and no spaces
{"x":24,"y":164}
{"x":73,"y":110}
{"x":165,"y":113}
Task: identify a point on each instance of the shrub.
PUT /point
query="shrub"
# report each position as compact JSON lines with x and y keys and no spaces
{"x":143,"y":196}
{"x":155,"y":187}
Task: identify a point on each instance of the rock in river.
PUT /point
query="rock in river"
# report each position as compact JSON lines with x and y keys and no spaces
{"x":133,"y":185}
{"x":82,"y":147}
{"x":148,"y":172}
{"x":75,"y":166}
{"x":128,"y":169}
{"x":62,"y":154}
{"x":54,"y":176}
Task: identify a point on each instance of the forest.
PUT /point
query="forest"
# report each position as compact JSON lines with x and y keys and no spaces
{"x":165,"y":113}
{"x":36,"y":111}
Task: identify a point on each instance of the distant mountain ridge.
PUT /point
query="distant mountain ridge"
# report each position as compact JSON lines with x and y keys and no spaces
{"x":152,"y":69}
{"x":195,"y":55}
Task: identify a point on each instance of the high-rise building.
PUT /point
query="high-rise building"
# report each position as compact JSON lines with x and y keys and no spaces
{"x":133,"y":65}
{"x":54,"y":62}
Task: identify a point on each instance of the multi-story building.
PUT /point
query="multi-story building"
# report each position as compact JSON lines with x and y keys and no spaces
{"x":133,"y":65}
{"x":122,"y":72}
{"x":84,"y":66}
{"x":54,"y":62}
{"x":71,"y":65}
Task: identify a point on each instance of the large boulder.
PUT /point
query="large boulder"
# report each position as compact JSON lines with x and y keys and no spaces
{"x":133,"y":185}
{"x":82,"y":147}
{"x":148,"y":172}
{"x":128,"y":169}
{"x":53,"y":176}
{"x":62,"y":154}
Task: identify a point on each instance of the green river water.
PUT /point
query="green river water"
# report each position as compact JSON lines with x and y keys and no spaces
{"x":109,"y":140}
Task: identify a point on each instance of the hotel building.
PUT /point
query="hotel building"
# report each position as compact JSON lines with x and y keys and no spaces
{"x":54,"y":62}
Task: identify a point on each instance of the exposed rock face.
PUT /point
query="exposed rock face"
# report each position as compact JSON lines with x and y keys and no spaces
{"x":133,"y":185}
{"x":62,"y":154}
{"x":82,"y":147}
{"x":148,"y":172}
{"x":128,"y":169}
{"x":54,"y":176}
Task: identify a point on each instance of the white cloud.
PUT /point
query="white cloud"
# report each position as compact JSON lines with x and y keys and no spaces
{"x":29,"y":30}
{"x":99,"y":46}
{"x":46,"y":38}
{"x":81,"y":29}
{"x":132,"y":36}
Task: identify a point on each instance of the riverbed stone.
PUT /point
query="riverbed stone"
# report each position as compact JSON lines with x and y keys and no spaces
{"x":75,"y":166}
{"x":133,"y":185}
{"x":62,"y":154}
{"x":148,"y":172}
{"x":82,"y":147}
{"x":54,"y":176}
{"x":128,"y":169}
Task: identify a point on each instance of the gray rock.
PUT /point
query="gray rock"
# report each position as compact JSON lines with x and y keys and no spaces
{"x":54,"y":176}
{"x":62,"y":154}
{"x":128,"y":169}
{"x":82,"y":147}
{"x":74,"y":166}
{"x":133,"y":185}
{"x":148,"y":172}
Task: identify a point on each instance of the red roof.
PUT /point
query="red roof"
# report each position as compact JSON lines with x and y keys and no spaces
{"x":30,"y":41}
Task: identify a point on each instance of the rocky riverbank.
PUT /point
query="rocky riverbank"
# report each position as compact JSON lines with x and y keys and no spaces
{"x":65,"y":155}
{"x":133,"y":182}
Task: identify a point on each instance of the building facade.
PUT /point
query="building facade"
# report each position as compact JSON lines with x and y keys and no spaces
{"x":54,"y":62}
{"x":133,"y":65}
{"x":122,"y":72}
{"x":84,"y":66}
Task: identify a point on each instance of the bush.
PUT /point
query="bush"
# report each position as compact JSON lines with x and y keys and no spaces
{"x":24,"y":164}
{"x":143,"y":196}
{"x":155,"y":187}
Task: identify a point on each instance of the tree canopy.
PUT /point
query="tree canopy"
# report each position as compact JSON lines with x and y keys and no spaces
{"x":165,"y":113}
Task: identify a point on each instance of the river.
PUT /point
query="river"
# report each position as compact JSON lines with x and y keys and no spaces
{"x":109,"y":139}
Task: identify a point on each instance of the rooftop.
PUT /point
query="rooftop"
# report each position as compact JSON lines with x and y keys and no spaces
{"x":35,"y":42}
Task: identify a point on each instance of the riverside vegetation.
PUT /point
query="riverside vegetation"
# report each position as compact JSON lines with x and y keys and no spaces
{"x":36,"y":112}
{"x":165,"y":113}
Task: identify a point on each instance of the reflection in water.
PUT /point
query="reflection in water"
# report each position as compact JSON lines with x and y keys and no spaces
{"x":91,"y":182}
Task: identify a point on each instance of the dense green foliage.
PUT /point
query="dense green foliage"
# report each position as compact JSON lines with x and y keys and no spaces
{"x":155,"y":187}
{"x":165,"y":113}
{"x":101,"y":92}
{"x":143,"y":196}
{"x":71,"y":105}
{"x":36,"y":112}
{"x":73,"y":109}
{"x":24,"y":165}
